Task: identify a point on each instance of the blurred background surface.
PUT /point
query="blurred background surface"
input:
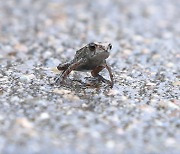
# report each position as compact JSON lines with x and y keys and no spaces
{"x":139,"y":115}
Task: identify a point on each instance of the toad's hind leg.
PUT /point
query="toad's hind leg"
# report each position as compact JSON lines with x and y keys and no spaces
{"x":67,"y":71}
{"x":63,"y":67}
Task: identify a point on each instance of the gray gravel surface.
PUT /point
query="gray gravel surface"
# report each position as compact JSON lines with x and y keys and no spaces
{"x":141,"y":114}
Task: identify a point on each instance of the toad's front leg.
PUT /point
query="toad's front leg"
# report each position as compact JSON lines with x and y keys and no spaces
{"x":110,"y":74}
{"x":95,"y":73}
{"x":71,"y":67}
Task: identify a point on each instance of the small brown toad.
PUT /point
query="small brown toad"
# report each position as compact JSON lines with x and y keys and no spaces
{"x":91,"y":57}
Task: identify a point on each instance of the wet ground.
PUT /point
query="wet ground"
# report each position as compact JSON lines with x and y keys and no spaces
{"x":141,"y":114}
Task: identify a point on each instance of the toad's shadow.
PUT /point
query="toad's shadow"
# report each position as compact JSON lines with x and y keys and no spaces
{"x":86,"y":83}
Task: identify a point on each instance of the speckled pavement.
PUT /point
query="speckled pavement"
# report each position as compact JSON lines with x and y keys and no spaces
{"x":140,"y":115}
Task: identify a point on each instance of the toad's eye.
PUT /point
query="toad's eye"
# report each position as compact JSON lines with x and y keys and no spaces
{"x":110,"y":46}
{"x":92,"y":46}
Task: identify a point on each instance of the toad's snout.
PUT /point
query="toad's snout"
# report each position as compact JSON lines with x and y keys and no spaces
{"x":108,"y":47}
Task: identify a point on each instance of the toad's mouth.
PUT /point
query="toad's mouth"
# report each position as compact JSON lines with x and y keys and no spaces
{"x":101,"y":55}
